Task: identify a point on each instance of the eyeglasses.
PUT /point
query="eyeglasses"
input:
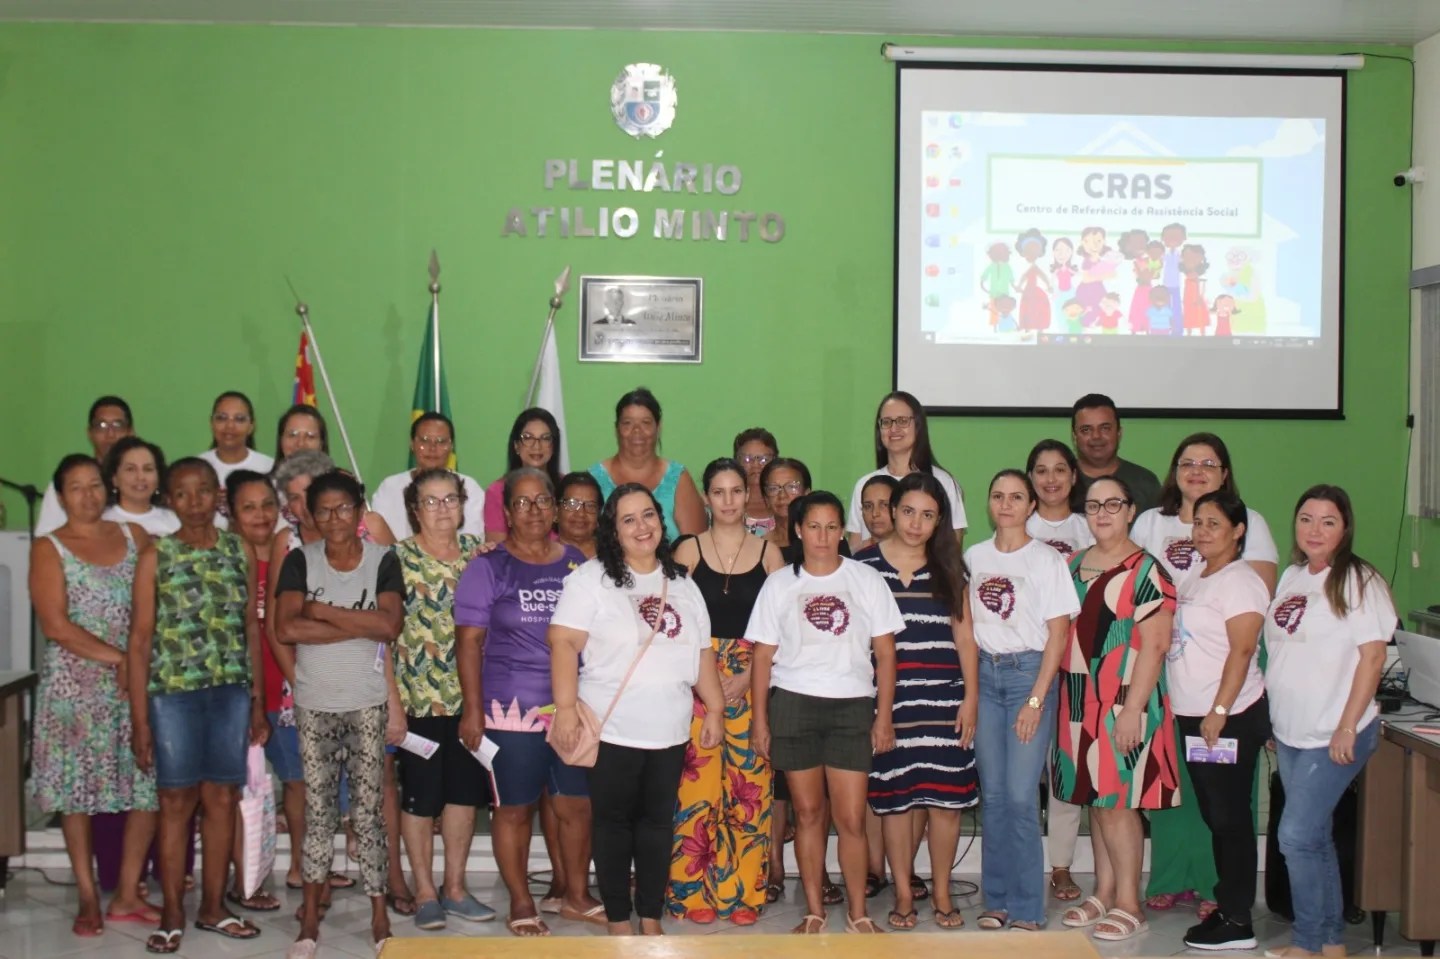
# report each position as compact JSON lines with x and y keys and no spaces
{"x":530,"y":439}
{"x":1112,"y":505}
{"x":758,"y":458}
{"x":572,"y":505}
{"x":794,"y":488}
{"x":110,"y":426}
{"x":524,"y":504}
{"x":239,"y":419}
{"x":895,"y":422}
{"x":435,"y":442}
{"x":323,"y":514}
{"x":1197,"y":465}
{"x":302,"y":434}
{"x":432,"y":504}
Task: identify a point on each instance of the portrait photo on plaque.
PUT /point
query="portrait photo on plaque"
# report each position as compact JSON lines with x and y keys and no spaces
{"x":640,"y":319}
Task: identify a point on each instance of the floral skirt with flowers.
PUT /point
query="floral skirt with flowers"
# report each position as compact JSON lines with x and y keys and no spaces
{"x":721,"y":858}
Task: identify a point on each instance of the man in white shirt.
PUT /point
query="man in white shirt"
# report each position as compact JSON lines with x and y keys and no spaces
{"x":110,"y":421}
{"x":1095,"y":431}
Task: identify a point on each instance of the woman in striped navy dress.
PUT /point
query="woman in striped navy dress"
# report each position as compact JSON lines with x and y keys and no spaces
{"x":932,"y":767}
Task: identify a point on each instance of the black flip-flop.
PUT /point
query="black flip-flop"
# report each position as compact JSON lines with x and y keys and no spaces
{"x":272,"y":904}
{"x":225,"y":926}
{"x":874,"y":885}
{"x":918,"y":890}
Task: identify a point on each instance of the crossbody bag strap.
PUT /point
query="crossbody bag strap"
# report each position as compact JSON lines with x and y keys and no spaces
{"x":655,"y":628}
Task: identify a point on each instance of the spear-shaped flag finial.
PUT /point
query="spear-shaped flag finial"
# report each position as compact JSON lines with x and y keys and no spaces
{"x":434,"y":272}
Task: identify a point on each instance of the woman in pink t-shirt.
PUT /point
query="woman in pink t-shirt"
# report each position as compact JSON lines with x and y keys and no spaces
{"x":534,"y":438}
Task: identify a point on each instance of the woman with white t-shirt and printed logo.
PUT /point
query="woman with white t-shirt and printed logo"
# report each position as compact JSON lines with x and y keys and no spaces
{"x":608,"y":611}
{"x":1059,"y":522}
{"x":1326,"y":632}
{"x":816,"y":626}
{"x":1022,"y":600}
{"x":1180,"y":862}
{"x":1216,"y":691}
{"x":902,"y":447}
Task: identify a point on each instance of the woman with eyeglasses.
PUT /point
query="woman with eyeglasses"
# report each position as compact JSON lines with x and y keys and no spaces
{"x":339,"y":605}
{"x":1115,"y":745}
{"x":637,"y":460}
{"x":232,"y":447}
{"x":580,"y":504}
{"x":503,"y":606}
{"x":1182,"y":867}
{"x":534,"y":438}
{"x":301,"y":427}
{"x":722,"y":827}
{"x":1022,"y":601}
{"x":134,"y":472}
{"x":902,"y":447}
{"x":754,"y":449}
{"x":432,"y":444}
{"x":448,"y":784}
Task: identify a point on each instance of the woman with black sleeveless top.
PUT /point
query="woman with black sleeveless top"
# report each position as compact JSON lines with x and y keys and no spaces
{"x":721,"y":860}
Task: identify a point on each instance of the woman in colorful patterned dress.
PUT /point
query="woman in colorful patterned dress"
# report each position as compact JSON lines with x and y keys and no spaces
{"x":197,"y":696}
{"x":721,"y":861}
{"x":1115,"y":748}
{"x":930,"y":775}
{"x":448,"y":784}
{"x":80,"y":582}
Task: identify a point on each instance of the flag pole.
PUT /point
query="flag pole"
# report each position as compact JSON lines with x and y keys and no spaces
{"x":435,"y":325}
{"x":303,"y":311}
{"x":562,"y":284}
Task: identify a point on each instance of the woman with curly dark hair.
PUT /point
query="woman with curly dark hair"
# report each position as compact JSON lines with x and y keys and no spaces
{"x":642,"y":625}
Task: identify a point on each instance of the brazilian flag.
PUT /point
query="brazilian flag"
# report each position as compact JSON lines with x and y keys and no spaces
{"x":431,"y":393}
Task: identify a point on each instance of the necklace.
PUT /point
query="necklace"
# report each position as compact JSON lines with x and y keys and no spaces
{"x":725,"y":589}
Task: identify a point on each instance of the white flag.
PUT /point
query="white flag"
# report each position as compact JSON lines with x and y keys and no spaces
{"x":548,"y":394}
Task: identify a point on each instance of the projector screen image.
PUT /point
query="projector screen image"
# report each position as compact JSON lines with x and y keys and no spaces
{"x":1170,"y":239}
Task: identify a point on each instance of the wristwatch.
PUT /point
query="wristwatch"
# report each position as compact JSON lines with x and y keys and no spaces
{"x":1033,"y":702}
{"x":1219,"y":710}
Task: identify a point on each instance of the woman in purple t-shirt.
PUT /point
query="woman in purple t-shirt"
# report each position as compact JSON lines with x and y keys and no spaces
{"x":503,"y":605}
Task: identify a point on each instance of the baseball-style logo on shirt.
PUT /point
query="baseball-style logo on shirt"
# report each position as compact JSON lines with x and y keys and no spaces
{"x":1289,"y":612}
{"x":1180,"y":553}
{"x":997,"y":594}
{"x":829,"y":614}
{"x":670,"y":624}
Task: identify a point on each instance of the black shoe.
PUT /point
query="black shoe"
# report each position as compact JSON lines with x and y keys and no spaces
{"x":1219,"y":933}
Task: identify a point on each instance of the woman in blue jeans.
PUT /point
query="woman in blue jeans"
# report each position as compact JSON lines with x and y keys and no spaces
{"x":1022,"y":600}
{"x":1326,"y":633}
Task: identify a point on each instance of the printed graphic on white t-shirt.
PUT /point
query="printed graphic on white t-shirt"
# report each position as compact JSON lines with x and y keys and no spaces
{"x":1000,"y":597}
{"x":1179,"y":635}
{"x":1289,"y":614}
{"x":646,"y":608}
{"x":1180,"y":552}
{"x":824,"y":617}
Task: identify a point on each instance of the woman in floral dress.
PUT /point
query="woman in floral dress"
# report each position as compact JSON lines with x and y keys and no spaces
{"x":80,"y":581}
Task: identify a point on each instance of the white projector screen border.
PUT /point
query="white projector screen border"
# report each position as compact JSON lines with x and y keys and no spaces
{"x":1245,"y":377}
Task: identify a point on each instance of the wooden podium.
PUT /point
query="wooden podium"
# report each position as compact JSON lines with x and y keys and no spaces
{"x":1399,"y":841}
{"x":12,"y":766}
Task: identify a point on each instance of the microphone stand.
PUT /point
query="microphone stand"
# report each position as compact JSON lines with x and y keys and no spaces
{"x":32,"y":496}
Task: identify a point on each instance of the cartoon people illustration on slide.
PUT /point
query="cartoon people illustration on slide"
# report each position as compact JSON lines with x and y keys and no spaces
{"x":1097,"y":264}
{"x":1110,"y":313}
{"x":1172,"y":238}
{"x":1241,"y":282}
{"x":1224,"y":309}
{"x":1194,"y":312}
{"x":998,"y":279}
{"x":1133,"y":245}
{"x":1034,"y":300}
{"x":1062,"y":268}
{"x":1159,"y":315}
{"x":1074,"y":310}
{"x":1004,"y":307}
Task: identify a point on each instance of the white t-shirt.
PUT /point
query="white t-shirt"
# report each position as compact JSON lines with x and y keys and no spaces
{"x":655,"y":709}
{"x":389,"y":502}
{"x":823,"y":626}
{"x":1313,"y":654}
{"x":1167,"y":538}
{"x":855,"y":522}
{"x":1068,"y":536}
{"x":254,"y":460}
{"x":159,"y":521}
{"x":1200,"y":644}
{"x":1014,"y":595}
{"x":52,"y":515}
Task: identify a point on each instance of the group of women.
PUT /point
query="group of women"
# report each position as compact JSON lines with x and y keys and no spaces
{"x":739,"y":653}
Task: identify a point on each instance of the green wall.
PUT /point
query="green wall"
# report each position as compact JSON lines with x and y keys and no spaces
{"x":157,"y":184}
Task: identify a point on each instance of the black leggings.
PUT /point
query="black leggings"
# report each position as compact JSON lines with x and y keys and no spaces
{"x":632,"y":806}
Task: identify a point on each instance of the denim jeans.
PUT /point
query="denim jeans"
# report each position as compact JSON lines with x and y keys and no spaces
{"x":1313,"y":785}
{"x":1012,"y":858}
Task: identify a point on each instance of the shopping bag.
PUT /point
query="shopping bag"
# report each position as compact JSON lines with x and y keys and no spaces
{"x":257,"y":824}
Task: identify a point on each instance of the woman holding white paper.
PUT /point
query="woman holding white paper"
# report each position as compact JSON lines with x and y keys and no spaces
{"x":447,"y":783}
{"x":1216,"y":691}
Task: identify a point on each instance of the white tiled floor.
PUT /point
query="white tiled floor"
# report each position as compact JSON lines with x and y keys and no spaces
{"x":35,"y":917}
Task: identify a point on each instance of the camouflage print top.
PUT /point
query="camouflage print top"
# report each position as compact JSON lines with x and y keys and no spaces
{"x":200,"y":600}
{"x":425,"y":664}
